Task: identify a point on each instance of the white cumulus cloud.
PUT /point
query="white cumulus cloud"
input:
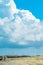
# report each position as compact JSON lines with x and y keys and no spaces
{"x":19,"y":26}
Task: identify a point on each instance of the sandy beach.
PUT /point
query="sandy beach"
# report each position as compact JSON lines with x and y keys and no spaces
{"x":35,"y":60}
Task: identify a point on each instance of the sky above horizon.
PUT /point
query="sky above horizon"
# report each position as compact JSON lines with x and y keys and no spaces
{"x":21,"y":27}
{"x":34,"y":6}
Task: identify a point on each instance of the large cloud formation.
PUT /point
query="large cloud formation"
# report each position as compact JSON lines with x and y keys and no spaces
{"x":18,"y":26}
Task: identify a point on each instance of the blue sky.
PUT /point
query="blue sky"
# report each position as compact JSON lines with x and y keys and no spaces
{"x":35,"y":6}
{"x":21,"y":27}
